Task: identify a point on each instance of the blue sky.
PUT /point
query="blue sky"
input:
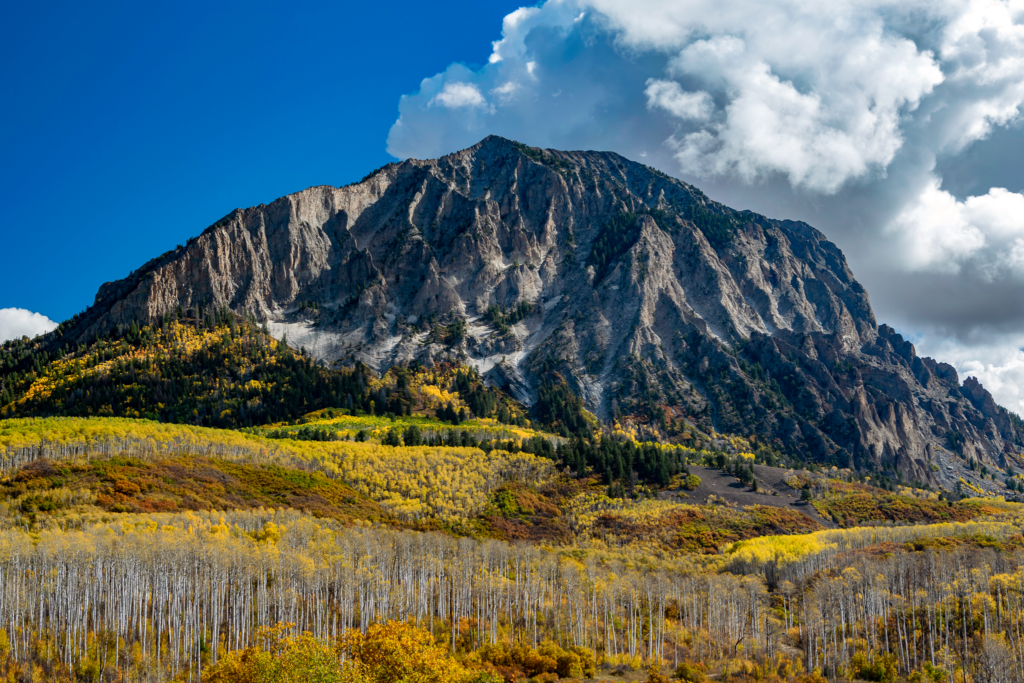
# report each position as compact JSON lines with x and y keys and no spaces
{"x":129,"y":127}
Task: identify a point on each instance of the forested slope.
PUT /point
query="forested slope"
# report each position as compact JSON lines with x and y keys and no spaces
{"x":877,"y":605}
{"x":221,"y":370}
{"x":516,"y":554}
{"x":121,"y":462}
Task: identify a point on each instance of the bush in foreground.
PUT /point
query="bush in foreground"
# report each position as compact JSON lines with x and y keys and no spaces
{"x":519,"y":661}
{"x":391,"y":652}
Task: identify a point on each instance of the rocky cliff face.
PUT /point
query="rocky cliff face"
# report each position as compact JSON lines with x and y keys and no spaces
{"x":646,"y":296}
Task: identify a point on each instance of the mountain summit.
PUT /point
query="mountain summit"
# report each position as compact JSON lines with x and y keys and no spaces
{"x":653,"y":302}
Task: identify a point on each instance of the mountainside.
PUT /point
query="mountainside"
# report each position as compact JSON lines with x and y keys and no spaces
{"x":651,"y":301}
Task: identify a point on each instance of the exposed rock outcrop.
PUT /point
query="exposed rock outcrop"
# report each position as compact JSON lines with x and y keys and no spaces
{"x":644,"y":294}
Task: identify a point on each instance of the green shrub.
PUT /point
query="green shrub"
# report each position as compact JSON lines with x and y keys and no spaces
{"x":412,"y":436}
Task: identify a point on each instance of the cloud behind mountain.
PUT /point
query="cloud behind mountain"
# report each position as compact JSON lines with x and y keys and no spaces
{"x":16,"y":323}
{"x":847,"y":115}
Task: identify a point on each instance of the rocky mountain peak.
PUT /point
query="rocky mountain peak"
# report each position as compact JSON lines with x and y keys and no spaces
{"x":652,"y":301}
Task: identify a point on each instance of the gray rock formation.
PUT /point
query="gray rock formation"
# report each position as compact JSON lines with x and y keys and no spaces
{"x":646,"y":296}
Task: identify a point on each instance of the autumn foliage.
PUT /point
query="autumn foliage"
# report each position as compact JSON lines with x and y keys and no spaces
{"x":522,"y":661}
{"x":217,"y":369}
{"x":391,"y":652}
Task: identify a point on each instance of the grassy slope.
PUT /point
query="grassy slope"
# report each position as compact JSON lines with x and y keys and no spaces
{"x":340,"y":424}
{"x":999,"y":532}
{"x":162,"y":467}
{"x":107,"y":465}
{"x":427,"y":482}
{"x":88,"y":488}
{"x":561,"y":511}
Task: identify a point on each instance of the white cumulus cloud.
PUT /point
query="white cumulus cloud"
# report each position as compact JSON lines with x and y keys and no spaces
{"x":821,"y":94}
{"x":670,"y":96}
{"x":842,"y":113}
{"x":455,"y":95}
{"x":506,"y":91}
{"x":16,"y":323}
{"x":818,"y":129}
{"x":943,"y":234}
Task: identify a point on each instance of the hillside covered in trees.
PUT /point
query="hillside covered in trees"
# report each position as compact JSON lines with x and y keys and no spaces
{"x":479,"y":551}
{"x":640,"y":549}
{"x":937,"y":602}
{"x":422,"y":518}
{"x":672,"y":444}
{"x":217,"y":369}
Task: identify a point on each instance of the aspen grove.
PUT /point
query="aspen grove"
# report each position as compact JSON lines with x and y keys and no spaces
{"x":160,"y":596}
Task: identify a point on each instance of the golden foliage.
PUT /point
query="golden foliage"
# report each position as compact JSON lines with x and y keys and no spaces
{"x":783,"y":550}
{"x":423,"y":481}
{"x":413,"y":482}
{"x":175,"y":341}
{"x":396,"y":652}
{"x":376,"y":426}
{"x":392,"y":652}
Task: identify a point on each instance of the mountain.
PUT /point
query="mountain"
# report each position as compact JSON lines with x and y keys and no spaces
{"x":652,"y":302}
